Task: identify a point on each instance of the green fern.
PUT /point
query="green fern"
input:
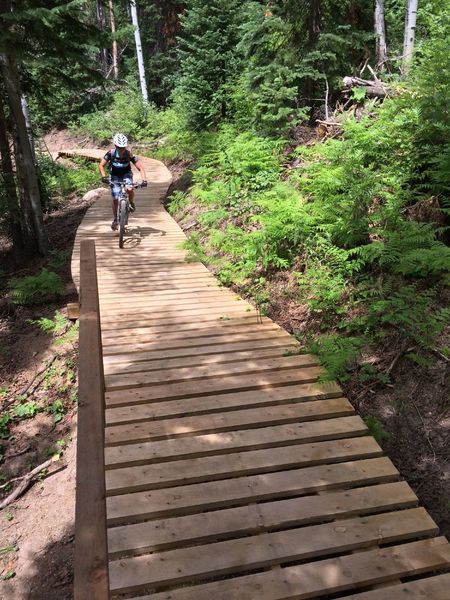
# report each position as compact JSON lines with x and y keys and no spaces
{"x":35,"y":288}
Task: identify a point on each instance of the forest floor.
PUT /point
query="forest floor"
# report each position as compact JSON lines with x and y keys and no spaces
{"x":36,"y":545}
{"x":37,"y":529}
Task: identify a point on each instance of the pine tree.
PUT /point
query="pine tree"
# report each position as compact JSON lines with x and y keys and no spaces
{"x":39,"y":46}
{"x":209,"y":60}
{"x":293,"y":49}
{"x":161,"y":26}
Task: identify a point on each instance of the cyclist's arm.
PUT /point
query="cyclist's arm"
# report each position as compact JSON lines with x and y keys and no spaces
{"x":101,"y":167}
{"x":140,"y":167}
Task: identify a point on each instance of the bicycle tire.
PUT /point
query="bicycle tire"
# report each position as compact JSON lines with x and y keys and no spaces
{"x":122,"y":221}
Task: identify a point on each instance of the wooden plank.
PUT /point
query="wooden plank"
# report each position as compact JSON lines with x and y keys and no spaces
{"x":157,"y":313}
{"x":209,"y":468}
{"x":171,"y":315}
{"x":188,"y":499}
{"x":233,"y":441}
{"x":209,"y":406}
{"x":331,"y":576}
{"x":220,"y":342}
{"x":180,"y":326}
{"x":91,"y":565}
{"x":219,"y":326}
{"x":201,"y":356}
{"x":192,"y":337}
{"x":251,"y":519}
{"x":130,"y":381}
{"x":219,"y":385}
{"x":432,"y":588}
{"x":230,"y":421}
{"x":236,"y":556}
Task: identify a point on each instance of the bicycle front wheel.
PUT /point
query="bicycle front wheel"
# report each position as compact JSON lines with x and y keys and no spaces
{"x":122,"y":221}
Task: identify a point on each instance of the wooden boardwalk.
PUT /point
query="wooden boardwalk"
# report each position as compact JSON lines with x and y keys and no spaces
{"x":230,"y":472}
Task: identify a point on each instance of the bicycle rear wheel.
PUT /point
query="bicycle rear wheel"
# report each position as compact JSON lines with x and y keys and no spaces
{"x":122,"y":221}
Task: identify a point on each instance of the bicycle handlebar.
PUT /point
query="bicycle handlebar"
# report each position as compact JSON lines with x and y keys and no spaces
{"x":133,"y":185}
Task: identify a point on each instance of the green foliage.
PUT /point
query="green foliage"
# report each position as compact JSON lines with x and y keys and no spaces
{"x":55,"y":46}
{"x":35,"y":288}
{"x":195,"y":249}
{"x":54,"y":326}
{"x":5,"y":421}
{"x":26,"y":410}
{"x":70,"y":336}
{"x":208,"y":60}
{"x":412,"y":312}
{"x":336,"y":354}
{"x":58,"y":180}
{"x":292,"y":49}
{"x":177,"y":202}
{"x":376,"y":428}
{"x":123,"y":111}
{"x":57,"y":409}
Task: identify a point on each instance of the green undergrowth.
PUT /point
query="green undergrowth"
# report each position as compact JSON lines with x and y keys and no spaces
{"x":60,"y":180}
{"x":358,"y":222}
{"x":53,"y":391}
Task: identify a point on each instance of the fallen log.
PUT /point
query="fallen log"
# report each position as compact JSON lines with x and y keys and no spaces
{"x":374,"y":88}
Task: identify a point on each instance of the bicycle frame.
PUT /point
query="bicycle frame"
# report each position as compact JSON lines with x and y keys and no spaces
{"x":123,"y":207}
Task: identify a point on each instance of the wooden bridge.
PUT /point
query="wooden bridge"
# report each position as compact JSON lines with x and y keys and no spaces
{"x":229,"y":471}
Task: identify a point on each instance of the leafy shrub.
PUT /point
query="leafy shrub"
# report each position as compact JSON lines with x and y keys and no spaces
{"x":35,"y":288}
{"x":53,"y":326}
{"x":58,"y":180}
{"x":125,"y":112}
{"x":336,"y":352}
{"x":26,"y":410}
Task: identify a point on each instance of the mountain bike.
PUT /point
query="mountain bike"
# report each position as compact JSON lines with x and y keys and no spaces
{"x":123,"y":206}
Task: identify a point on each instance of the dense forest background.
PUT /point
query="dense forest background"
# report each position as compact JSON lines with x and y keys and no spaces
{"x":313,"y":136}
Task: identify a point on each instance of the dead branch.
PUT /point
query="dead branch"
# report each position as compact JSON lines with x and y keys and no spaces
{"x":397,"y":357}
{"x":190,"y":226}
{"x":26,"y":480}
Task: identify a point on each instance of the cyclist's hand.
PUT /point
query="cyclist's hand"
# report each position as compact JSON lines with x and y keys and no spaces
{"x":105,"y":179}
{"x":144,"y":184}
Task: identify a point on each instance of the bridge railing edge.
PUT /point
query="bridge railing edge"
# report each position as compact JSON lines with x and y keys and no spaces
{"x":91,"y":577}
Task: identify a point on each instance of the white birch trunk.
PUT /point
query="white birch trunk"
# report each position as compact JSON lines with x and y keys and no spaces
{"x":410,"y":32}
{"x":115,"y":64}
{"x":140,"y":58}
{"x":380,"y":32}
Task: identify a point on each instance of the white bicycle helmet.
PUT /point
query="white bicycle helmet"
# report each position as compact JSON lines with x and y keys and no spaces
{"x":120,"y":140}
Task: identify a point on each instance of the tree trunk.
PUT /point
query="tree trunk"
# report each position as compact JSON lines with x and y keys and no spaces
{"x":102,"y":26}
{"x":26,"y":114}
{"x":140,"y":57}
{"x":115,"y":54}
{"x":410,"y":32}
{"x":380,"y":32}
{"x":12,"y":198}
{"x":26,"y":168}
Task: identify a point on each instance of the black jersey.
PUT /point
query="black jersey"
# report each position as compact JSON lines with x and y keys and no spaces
{"x":119,"y":165}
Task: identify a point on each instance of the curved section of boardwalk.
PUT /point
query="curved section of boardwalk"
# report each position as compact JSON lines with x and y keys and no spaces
{"x":230,"y":472}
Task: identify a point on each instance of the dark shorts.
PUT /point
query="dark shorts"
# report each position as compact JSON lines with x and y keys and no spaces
{"x":126,"y":177}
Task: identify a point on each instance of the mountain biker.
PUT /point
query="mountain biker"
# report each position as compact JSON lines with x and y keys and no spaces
{"x":119,"y":162}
